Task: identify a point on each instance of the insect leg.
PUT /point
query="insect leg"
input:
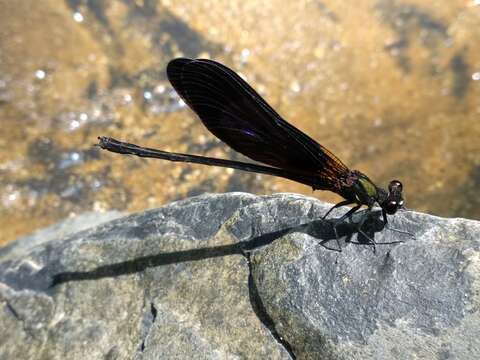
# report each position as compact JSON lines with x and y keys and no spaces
{"x":385,"y":222}
{"x":345,"y":216}
{"x":341,"y":203}
{"x":362,"y":221}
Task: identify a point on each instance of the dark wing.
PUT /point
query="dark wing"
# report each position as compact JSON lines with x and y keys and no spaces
{"x":234,"y":112}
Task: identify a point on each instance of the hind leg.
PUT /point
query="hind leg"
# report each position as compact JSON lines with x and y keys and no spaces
{"x":339,"y":221}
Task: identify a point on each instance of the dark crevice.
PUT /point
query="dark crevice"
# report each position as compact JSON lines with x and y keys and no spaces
{"x":261,"y":312}
{"x":13,"y":311}
{"x":153,"y":310}
{"x":148,"y":322}
{"x":26,"y":328}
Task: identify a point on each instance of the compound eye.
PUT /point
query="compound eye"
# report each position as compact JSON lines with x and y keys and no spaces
{"x":395,"y":185}
{"x":391,"y":207}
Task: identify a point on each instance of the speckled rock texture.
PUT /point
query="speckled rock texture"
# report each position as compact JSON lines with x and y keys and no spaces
{"x":238,"y":276}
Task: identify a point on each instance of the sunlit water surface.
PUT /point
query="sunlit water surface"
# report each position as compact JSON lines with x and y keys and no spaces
{"x":391,"y":87}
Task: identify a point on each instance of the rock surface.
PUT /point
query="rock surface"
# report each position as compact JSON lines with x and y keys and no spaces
{"x":238,"y":276}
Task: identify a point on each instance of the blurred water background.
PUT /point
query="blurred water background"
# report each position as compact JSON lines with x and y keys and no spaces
{"x":392,"y":87}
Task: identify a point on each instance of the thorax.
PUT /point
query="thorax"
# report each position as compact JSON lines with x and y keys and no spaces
{"x":358,"y":188}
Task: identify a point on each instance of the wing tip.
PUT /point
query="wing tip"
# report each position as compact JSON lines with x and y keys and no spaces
{"x":175,"y":68}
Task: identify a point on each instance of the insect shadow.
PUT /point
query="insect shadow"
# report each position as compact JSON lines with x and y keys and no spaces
{"x":318,"y":229}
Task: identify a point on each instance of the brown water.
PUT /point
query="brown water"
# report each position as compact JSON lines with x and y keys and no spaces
{"x":391,"y":87}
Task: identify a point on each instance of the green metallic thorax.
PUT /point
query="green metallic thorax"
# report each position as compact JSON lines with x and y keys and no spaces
{"x":368,"y":186}
{"x":357,"y":188}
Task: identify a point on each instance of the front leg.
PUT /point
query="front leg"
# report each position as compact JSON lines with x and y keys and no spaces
{"x":385,"y":223}
{"x":384,"y":214}
{"x":341,"y":203}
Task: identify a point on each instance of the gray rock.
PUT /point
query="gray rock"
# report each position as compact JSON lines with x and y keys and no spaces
{"x":56,"y":231}
{"x":238,"y":276}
